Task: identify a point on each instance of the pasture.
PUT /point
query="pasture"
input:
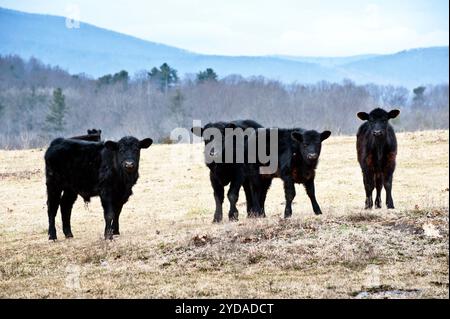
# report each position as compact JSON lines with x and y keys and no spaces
{"x":169,"y":248}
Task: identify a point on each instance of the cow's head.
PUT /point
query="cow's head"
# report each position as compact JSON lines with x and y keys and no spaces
{"x":378,"y":120}
{"x":94,"y":132}
{"x":310,"y":144}
{"x":128,"y":151}
{"x":214,"y":136}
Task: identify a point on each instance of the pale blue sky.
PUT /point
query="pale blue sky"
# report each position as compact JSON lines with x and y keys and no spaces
{"x":259,"y":27}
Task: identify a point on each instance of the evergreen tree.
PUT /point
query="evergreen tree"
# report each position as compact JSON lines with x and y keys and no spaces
{"x":418,"y":93}
{"x":121,"y":76}
{"x":164,"y":77}
{"x":105,"y":80}
{"x":57,"y":108}
{"x":207,"y":75}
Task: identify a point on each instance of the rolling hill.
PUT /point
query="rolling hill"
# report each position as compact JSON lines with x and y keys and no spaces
{"x":96,"y":51}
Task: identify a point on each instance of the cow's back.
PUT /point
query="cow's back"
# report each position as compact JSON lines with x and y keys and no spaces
{"x":286,"y":148}
{"x":244,"y":124}
{"x":74,"y":164}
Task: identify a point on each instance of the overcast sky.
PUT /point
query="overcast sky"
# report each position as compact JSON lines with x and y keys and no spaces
{"x":259,"y":27}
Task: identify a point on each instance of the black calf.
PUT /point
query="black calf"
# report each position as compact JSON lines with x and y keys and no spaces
{"x":106,"y":169}
{"x":222,"y":173}
{"x":376,"y":146}
{"x":298,"y":155}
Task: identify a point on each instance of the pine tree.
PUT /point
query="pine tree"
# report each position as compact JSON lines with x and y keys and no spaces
{"x":165,"y":76}
{"x":207,"y":75}
{"x":57,"y":108}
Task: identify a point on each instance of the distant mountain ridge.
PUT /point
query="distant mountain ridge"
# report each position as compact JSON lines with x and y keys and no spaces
{"x":96,"y":51}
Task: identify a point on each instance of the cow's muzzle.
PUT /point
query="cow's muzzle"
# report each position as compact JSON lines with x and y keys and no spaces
{"x":377,"y":133}
{"x":129,"y":166}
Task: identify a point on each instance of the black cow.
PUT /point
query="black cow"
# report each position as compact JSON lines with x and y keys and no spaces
{"x":298,"y":155}
{"x":93,"y":135}
{"x":106,"y":169}
{"x":222,"y":174}
{"x":376,"y":145}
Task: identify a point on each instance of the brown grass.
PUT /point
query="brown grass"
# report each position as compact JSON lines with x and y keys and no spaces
{"x":170,"y":248}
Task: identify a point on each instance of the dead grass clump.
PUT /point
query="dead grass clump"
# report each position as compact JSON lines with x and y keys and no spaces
{"x":363,"y":217}
{"x":201,"y":240}
{"x":26,"y":174}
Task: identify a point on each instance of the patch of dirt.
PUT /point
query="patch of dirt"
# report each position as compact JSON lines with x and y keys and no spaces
{"x":386,"y":292}
{"x":405,"y":226}
{"x":363,"y":217}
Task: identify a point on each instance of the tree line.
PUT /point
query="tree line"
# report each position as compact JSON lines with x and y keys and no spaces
{"x":39,"y":102}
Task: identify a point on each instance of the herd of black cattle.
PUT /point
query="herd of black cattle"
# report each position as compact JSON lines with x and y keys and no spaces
{"x":86,"y":166}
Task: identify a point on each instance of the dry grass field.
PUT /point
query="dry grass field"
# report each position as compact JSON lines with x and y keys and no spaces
{"x":169,"y":248}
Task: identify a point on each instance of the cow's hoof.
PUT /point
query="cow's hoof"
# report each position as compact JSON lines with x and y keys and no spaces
{"x":318,"y":212}
{"x":52,"y":238}
{"x":68,"y":233}
{"x":117,"y":233}
{"x":217,"y":221}
{"x":390,"y":207}
{"x":233,"y":219}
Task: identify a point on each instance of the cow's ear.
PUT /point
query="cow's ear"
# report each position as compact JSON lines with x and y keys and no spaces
{"x":324,"y":135}
{"x":393,"y":114}
{"x":113,"y":146}
{"x":145,"y":143}
{"x":297,"y":136}
{"x":197,"y":130}
{"x":363,"y":116}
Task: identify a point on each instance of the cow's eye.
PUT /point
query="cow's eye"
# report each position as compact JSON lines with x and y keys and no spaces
{"x":305,"y":144}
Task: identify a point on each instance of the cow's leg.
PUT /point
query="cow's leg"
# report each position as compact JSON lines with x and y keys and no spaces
{"x":289,"y":193}
{"x":248,"y":196}
{"x":388,"y":189}
{"x":108,"y":211}
{"x":116,"y":220}
{"x":255,"y":190}
{"x":53,"y":200}
{"x":265,"y":185}
{"x":369,"y":186}
{"x":310,"y":190}
{"x":233,"y":196}
{"x":378,"y":186}
{"x":67,"y":201}
{"x":218,"y":197}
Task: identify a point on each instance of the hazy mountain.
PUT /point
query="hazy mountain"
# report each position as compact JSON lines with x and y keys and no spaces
{"x":96,"y":51}
{"x":410,"y":67}
{"x":327,"y":61}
